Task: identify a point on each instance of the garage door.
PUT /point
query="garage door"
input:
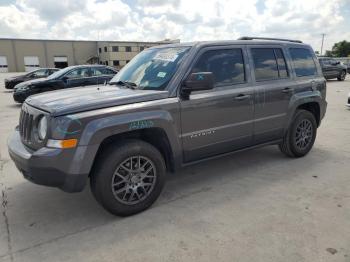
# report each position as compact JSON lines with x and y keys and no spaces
{"x":31,"y":63}
{"x":3,"y":64}
{"x":60,"y":61}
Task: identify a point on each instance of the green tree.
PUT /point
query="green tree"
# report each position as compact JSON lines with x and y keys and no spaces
{"x":341,"y":49}
{"x":328,"y":53}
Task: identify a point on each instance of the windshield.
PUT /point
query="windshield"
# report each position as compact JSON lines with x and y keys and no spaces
{"x":151,"y":69}
{"x":59,"y":73}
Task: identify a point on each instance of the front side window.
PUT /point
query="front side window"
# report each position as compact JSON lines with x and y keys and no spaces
{"x":152,"y":69}
{"x":303,"y":62}
{"x":78,"y":73}
{"x":226,"y":65}
{"x":40,"y":73}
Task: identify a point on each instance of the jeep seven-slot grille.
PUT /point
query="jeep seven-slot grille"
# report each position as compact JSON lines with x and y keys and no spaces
{"x":26,"y":126}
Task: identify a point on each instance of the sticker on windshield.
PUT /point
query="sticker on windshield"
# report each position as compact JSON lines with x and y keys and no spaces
{"x":168,"y":57}
{"x":161,"y":74}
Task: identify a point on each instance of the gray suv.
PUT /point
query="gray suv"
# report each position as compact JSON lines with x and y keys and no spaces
{"x":171,"y":106}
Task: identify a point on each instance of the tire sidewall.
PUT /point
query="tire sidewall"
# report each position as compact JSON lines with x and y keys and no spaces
{"x":104,"y":175}
{"x":300,"y":116}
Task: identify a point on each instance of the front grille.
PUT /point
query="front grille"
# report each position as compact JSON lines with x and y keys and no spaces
{"x":26,"y":126}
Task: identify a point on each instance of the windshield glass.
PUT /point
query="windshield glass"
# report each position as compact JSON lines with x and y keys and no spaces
{"x":151,"y":69}
{"x":59,"y":73}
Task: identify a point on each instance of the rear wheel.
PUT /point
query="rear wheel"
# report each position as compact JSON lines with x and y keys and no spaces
{"x":301,"y":135}
{"x":342,"y":76}
{"x":128,"y":177}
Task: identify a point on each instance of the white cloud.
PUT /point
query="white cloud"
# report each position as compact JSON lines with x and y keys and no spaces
{"x":152,"y":20}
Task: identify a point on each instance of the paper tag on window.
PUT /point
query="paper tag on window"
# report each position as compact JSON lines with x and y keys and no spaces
{"x":161,"y":74}
{"x":169,"y":57}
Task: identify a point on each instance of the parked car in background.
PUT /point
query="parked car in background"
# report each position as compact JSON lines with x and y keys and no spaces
{"x":348,"y":104}
{"x":73,"y":76}
{"x":169,"y":107}
{"x":332,"y":68}
{"x":347,"y":64}
{"x":10,"y":83}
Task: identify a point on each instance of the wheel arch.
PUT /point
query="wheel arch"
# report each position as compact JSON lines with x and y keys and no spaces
{"x":155,"y":136}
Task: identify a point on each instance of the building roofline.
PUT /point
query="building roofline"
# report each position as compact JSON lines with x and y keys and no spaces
{"x":82,"y":40}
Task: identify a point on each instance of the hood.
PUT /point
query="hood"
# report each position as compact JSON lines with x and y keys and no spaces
{"x":12,"y":78}
{"x":30,"y":82}
{"x":81,"y":99}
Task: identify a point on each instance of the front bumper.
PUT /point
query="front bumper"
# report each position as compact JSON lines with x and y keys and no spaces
{"x":46,"y":166}
{"x":9,"y":85}
{"x":20,"y":97}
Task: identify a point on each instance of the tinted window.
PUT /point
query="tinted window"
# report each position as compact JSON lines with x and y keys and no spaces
{"x":108,"y":71}
{"x":97,"y":71}
{"x":304,"y":64}
{"x":265,"y":64}
{"x":78,"y":73}
{"x":281,"y":63}
{"x":226,"y":65}
{"x":40,"y":73}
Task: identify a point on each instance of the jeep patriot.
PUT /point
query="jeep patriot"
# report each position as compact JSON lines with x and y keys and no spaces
{"x":171,"y":106}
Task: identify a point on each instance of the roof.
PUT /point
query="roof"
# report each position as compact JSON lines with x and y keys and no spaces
{"x":232,"y":42}
{"x":82,"y":40}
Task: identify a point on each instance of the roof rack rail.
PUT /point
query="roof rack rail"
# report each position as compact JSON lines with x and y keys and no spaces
{"x":268,"y":38}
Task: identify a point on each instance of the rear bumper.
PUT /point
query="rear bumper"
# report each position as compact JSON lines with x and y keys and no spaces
{"x":46,"y":166}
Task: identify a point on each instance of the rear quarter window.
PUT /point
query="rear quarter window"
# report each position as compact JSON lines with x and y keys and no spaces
{"x":303,"y":62}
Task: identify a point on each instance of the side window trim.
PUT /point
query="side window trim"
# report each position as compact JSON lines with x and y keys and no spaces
{"x":278,"y":66}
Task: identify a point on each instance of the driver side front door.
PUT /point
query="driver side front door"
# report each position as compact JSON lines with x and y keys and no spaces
{"x":219,"y":120}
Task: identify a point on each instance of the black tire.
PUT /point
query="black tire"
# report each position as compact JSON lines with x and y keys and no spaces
{"x":289,"y":145}
{"x":342,"y":76}
{"x":106,"y":166}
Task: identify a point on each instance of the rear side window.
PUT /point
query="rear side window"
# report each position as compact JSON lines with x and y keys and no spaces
{"x":303,"y":62}
{"x":226,"y":65}
{"x":269,"y":64}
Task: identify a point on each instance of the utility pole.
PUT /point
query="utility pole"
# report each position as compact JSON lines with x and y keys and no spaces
{"x":322,"y":43}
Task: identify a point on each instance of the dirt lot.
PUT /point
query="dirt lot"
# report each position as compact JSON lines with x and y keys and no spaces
{"x":252,"y":206}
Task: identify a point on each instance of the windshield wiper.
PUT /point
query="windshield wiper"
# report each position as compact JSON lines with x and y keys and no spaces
{"x":127,"y":84}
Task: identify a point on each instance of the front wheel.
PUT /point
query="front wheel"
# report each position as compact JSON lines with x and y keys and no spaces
{"x":342,"y":76}
{"x":128,"y":177}
{"x":300,"y":136}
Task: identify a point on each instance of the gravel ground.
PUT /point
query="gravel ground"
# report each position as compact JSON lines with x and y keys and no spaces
{"x":252,"y":206}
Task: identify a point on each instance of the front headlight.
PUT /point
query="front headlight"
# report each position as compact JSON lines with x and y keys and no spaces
{"x":42,"y":127}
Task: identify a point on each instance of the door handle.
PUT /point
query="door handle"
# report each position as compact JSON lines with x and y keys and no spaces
{"x":242,"y":97}
{"x":287,"y":90}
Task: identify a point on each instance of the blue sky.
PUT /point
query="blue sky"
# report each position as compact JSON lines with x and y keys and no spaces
{"x":152,"y":20}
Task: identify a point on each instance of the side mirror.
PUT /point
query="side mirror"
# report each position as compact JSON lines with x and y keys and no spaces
{"x":198,"y":81}
{"x":65,"y":78}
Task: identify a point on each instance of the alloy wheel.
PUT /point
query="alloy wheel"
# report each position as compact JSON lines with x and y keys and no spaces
{"x":134,"y":180}
{"x":304,"y":134}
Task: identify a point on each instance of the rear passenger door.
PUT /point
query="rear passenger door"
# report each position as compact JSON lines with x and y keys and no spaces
{"x":273,"y":91}
{"x":219,"y":120}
